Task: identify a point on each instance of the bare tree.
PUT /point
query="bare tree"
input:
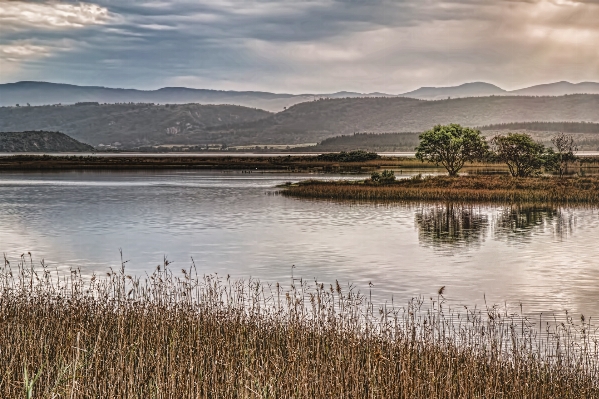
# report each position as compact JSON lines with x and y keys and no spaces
{"x":566,"y":150}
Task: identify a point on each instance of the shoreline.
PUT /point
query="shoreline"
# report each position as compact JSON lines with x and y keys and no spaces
{"x":289,"y":163}
{"x":482,"y":188}
{"x":203,"y":336}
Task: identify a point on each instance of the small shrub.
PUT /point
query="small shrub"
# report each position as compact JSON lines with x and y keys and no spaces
{"x":385,"y":177}
{"x":352,"y":156}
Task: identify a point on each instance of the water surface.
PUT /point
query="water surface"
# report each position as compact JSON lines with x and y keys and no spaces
{"x":230,"y":223}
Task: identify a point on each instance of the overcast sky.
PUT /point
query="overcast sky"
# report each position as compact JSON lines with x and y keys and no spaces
{"x":300,"y":46}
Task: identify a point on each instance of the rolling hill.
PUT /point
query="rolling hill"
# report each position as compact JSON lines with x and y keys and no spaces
{"x":44,"y":93}
{"x":126,"y":125}
{"x":586,"y":136}
{"x":481,"y":89}
{"x":558,"y":89}
{"x":40,"y":141}
{"x":475,"y":89}
{"x":137,"y":125}
{"x":317,"y":120}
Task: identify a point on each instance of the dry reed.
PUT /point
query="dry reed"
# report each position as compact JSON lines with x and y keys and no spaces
{"x":462,"y":189}
{"x":164,"y":336}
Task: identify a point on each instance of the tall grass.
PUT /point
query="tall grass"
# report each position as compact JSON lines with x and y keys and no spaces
{"x":465,"y":188}
{"x":210,"y":337}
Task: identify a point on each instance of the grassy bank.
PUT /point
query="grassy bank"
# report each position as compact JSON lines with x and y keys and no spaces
{"x":207,"y":337}
{"x":274,"y":163}
{"x":465,"y":188}
{"x":282,"y":163}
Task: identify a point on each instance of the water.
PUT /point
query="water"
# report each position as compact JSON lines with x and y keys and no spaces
{"x":545,"y":258}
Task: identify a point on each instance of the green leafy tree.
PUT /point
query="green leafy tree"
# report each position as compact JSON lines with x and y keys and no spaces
{"x":523,"y":156}
{"x":451,"y":146}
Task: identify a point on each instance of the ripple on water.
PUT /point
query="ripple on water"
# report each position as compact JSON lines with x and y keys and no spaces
{"x":544,"y":257}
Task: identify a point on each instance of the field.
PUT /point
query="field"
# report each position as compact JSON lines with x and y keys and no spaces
{"x":505,"y":189}
{"x":173,"y":335}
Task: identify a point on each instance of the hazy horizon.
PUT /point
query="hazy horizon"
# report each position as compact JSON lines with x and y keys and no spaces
{"x":282,"y":92}
{"x":300,"y":47}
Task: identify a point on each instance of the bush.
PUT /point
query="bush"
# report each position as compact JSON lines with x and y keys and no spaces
{"x":352,"y":156}
{"x":385,"y":177}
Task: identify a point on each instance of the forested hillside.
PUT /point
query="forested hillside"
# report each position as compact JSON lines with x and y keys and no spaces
{"x":317,"y":120}
{"x":126,"y":125}
{"x":39,"y":141}
{"x":136,"y":125}
{"x":565,"y":127}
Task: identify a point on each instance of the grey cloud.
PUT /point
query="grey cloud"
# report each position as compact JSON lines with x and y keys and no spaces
{"x":311,"y":45}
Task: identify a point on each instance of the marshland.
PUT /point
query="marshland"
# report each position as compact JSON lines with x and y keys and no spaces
{"x":502,"y":189}
{"x":307,"y":199}
{"x":266,"y":295}
{"x":163,"y":335}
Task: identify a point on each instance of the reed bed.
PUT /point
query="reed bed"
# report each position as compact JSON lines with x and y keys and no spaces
{"x":190,"y":336}
{"x":505,"y":189}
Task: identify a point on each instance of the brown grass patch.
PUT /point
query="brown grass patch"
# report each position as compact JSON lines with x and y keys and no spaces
{"x":206,"y":337}
{"x":465,"y":188}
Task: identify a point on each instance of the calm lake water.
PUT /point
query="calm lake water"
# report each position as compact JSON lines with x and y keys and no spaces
{"x":230,"y":223}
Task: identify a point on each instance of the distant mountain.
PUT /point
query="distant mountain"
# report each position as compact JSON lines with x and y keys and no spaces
{"x":127,"y":125}
{"x":43,"y":93}
{"x":315,"y":121}
{"x":40,"y":141}
{"x":481,"y":89}
{"x":559,"y":89}
{"x":475,"y":89}
{"x":136,"y":125}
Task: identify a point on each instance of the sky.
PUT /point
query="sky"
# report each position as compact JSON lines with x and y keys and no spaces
{"x":300,"y":46}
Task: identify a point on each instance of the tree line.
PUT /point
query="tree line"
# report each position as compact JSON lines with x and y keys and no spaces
{"x":451,"y":146}
{"x":565,"y":127}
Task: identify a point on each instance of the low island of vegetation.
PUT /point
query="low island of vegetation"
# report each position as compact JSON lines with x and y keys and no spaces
{"x":535,"y":173}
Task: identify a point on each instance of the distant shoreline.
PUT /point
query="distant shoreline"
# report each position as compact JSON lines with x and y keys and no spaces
{"x":222,"y":154}
{"x":296,"y":163}
{"x":260,"y":162}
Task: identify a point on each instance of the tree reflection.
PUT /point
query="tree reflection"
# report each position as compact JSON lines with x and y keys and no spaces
{"x":451,"y":225}
{"x":520,"y":221}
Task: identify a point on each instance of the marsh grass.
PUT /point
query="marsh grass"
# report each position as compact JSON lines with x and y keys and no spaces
{"x":182,"y":335}
{"x":504,"y":189}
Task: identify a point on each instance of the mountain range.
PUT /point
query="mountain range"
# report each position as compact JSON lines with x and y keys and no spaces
{"x":44,"y":93}
{"x":314,"y":121}
{"x":139,"y":125}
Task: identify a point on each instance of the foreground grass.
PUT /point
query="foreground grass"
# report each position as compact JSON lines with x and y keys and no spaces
{"x":465,"y":188}
{"x":168,"y":337}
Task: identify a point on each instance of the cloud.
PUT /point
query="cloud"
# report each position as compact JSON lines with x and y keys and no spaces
{"x":17,"y":15}
{"x":306,"y":46}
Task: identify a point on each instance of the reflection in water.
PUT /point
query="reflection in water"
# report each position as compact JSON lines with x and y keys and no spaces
{"x":226,"y":223}
{"x":451,"y":225}
{"x":520,"y":221}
